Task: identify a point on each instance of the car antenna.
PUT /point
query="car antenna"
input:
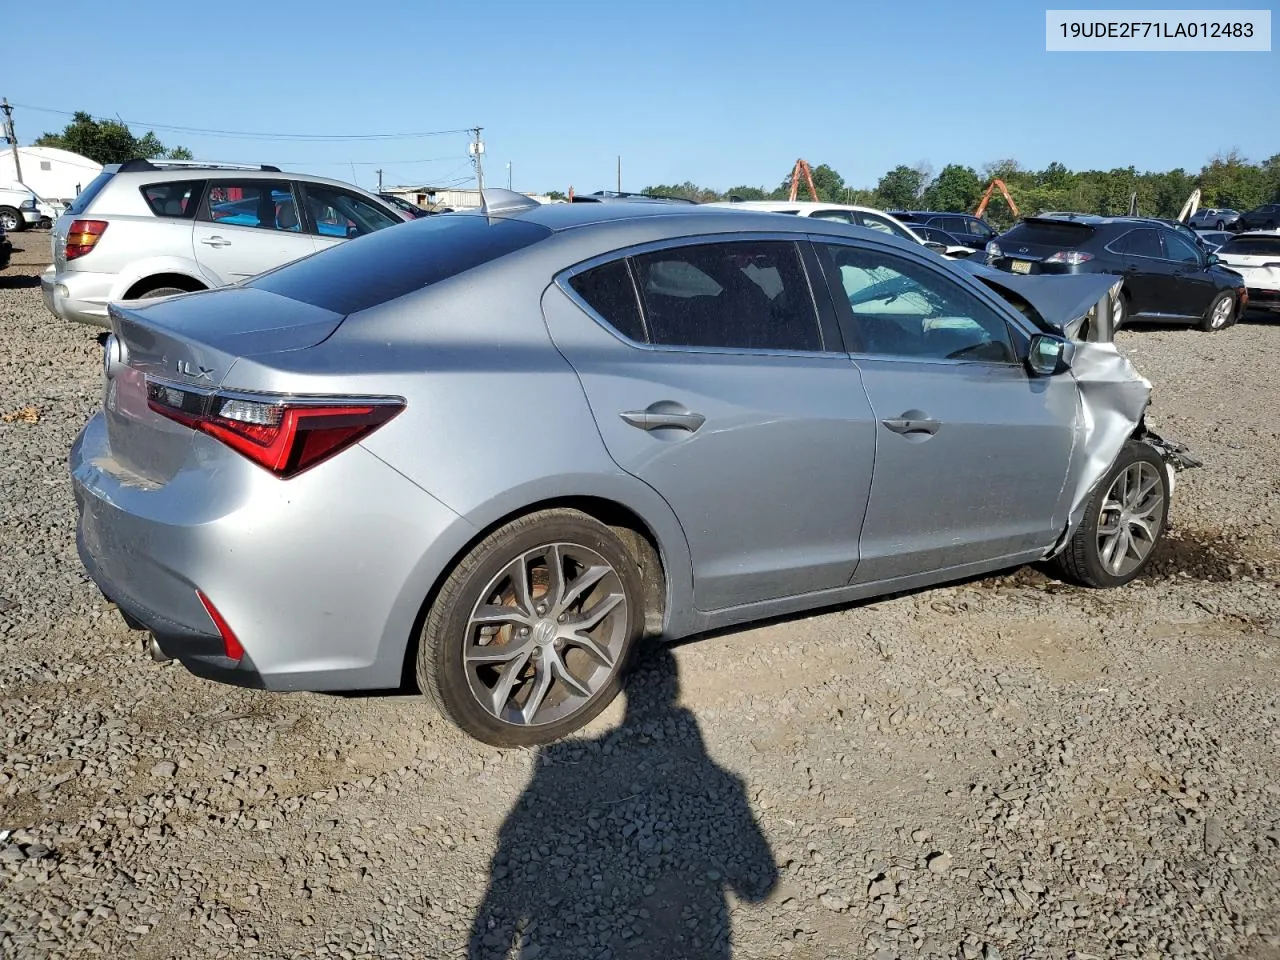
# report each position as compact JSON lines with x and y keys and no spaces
{"x":496,"y":200}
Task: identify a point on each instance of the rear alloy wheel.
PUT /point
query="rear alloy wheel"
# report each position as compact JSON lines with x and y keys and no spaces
{"x":1220,"y":225}
{"x":529,"y":637}
{"x":1119,"y":310}
{"x":1123,"y":522}
{"x":1221,"y":313}
{"x":160,"y":292}
{"x":11,"y":220}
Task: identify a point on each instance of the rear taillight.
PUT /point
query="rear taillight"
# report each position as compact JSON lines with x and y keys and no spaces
{"x":284,"y":436}
{"x":83,"y":236}
{"x":230,"y":643}
{"x":1073,"y":257}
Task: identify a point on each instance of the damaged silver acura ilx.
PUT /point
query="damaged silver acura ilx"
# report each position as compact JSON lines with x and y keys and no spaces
{"x":492,"y":450}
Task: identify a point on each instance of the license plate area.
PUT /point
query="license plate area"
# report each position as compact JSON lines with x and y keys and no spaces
{"x":1021,"y":266}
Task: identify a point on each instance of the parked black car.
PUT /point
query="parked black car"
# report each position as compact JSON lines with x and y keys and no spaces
{"x":974,"y":232}
{"x":1265,"y":217}
{"x":1166,"y":277}
{"x":6,"y":249}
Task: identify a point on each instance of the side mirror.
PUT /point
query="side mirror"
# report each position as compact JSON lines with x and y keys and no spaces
{"x":935,"y":246}
{"x":1212,"y":260}
{"x":1047,"y":355}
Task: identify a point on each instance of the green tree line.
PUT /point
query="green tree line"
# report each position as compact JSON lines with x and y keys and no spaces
{"x":109,"y":141}
{"x":1227,"y":180}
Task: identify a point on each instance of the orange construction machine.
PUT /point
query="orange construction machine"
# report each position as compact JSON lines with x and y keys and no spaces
{"x":986,"y":198}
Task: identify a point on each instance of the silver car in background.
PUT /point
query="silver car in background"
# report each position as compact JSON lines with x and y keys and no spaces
{"x":493,"y":450}
{"x":156,"y":228}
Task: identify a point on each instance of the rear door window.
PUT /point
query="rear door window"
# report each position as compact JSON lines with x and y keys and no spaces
{"x":873,"y":222}
{"x":265,"y":204}
{"x":751,"y":295}
{"x":842,"y":216}
{"x":178,"y":198}
{"x":1143,"y":242}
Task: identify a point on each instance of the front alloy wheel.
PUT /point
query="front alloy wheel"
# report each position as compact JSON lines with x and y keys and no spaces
{"x":531,"y":632}
{"x":1123,"y":521}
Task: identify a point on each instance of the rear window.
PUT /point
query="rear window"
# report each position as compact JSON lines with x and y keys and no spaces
{"x":1049,"y":234}
{"x":382,"y":266}
{"x":86,"y":195}
{"x":1253,"y":246}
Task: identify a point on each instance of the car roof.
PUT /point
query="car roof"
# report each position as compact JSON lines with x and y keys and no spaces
{"x":692,"y":219}
{"x":776,"y":206}
{"x":161,"y":171}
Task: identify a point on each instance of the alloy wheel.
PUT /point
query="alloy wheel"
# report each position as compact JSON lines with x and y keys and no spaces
{"x":1129,"y":523}
{"x":546,"y":635}
{"x":1221,"y":313}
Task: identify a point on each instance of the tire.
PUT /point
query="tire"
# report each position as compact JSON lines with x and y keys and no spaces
{"x":1220,"y":313}
{"x":1084,"y":560}
{"x":577,"y":672}
{"x":1121,"y":304}
{"x":159,"y":292}
{"x":11,"y":220}
{"x":1220,"y":225}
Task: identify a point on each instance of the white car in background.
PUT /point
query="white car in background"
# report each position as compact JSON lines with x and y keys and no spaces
{"x":19,"y":207}
{"x":867,"y":217}
{"x":157,"y":228}
{"x":1256,"y":257}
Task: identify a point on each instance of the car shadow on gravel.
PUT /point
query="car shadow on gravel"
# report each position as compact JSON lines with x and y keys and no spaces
{"x":625,"y":845}
{"x":18,"y":282}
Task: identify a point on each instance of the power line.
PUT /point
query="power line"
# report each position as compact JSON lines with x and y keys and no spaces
{"x":245,"y":135}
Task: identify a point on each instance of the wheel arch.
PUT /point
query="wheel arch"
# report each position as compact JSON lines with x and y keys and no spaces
{"x":645,"y":524}
{"x":156,"y":280}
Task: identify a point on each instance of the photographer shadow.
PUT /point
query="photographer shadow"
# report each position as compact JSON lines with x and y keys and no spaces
{"x":625,"y":846}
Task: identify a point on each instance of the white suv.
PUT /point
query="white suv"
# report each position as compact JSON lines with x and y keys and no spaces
{"x":19,"y":207}
{"x":155,"y":228}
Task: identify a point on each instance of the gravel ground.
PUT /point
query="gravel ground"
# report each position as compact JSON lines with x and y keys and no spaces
{"x":1008,"y":767}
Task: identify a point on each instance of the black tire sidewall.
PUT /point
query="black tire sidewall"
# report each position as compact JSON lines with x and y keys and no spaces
{"x":446,"y":624}
{"x":161,"y":292}
{"x":18,"y":222}
{"x":1087,"y":533}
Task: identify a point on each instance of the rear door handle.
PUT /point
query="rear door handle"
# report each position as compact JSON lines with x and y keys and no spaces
{"x":913,"y":422}
{"x":651,"y":419}
{"x":215,"y":241}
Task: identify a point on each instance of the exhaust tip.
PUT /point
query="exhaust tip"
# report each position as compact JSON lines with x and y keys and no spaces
{"x":152,"y":646}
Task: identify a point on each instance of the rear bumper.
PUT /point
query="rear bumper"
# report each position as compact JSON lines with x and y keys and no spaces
{"x":77,"y":296}
{"x":321,"y":577}
{"x":1264,"y":300}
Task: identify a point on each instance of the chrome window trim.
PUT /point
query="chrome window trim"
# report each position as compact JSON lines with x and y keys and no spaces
{"x":652,"y":246}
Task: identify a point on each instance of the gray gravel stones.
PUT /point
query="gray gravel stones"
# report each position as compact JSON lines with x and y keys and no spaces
{"x":1008,"y":767}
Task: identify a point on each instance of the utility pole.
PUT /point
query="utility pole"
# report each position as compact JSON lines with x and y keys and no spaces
{"x":379,"y":181}
{"x":11,"y":137}
{"x":476,"y":149}
{"x":508,"y":174}
{"x":619,"y":173}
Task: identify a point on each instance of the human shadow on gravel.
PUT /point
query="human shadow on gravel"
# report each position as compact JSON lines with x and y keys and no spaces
{"x":625,"y":846}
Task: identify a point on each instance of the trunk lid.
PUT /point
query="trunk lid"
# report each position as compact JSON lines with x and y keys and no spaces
{"x":1033,"y":240}
{"x":191,"y":341}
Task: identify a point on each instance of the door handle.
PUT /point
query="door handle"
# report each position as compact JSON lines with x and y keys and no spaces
{"x":913,"y":422}
{"x":215,"y":241}
{"x":658,"y":419}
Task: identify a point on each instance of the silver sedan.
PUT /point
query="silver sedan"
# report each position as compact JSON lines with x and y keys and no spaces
{"x":493,"y":450}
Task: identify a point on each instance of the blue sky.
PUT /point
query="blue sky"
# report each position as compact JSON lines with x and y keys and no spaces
{"x":719,"y":93}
